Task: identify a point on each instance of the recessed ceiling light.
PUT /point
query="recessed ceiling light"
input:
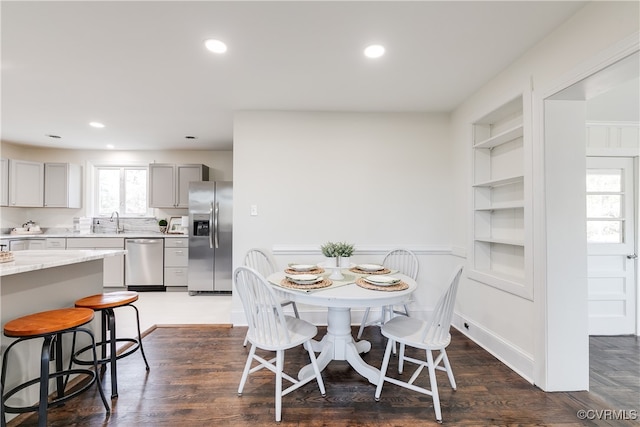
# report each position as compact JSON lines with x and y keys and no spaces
{"x":215,"y":46}
{"x":191,"y":137}
{"x":54,"y":136}
{"x":374,"y":51}
{"x":110,"y":146}
{"x":96,"y":125}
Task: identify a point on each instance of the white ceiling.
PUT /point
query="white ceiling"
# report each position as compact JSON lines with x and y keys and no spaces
{"x":142,"y":70}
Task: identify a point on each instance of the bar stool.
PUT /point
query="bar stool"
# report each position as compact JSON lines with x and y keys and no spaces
{"x":106,"y":303}
{"x":50,"y":325}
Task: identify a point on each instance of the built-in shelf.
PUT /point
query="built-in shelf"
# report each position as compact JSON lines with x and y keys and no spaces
{"x":519,"y":204}
{"x":502,"y":138}
{"x":501,"y":241}
{"x":511,"y":283}
{"x":501,"y":181}
{"x":500,"y":207}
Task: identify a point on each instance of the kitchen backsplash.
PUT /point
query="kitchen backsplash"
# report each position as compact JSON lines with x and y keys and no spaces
{"x":105,"y":225}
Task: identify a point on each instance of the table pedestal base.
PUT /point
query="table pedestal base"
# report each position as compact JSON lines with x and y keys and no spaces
{"x":338,"y":344}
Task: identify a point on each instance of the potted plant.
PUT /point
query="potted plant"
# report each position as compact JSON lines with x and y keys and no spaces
{"x":329,"y":251}
{"x":344,"y":251}
{"x":163,"y":225}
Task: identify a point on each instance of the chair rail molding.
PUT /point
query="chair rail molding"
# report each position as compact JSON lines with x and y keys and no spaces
{"x":305,"y":249}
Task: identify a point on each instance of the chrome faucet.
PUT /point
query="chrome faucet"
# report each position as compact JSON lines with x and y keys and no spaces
{"x":118,"y":229}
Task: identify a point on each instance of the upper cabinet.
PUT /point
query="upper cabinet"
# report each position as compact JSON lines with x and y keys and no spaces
{"x":26,"y":183}
{"x":169,"y":183}
{"x":62,"y":185}
{"x":4,"y":182}
{"x":501,"y":217}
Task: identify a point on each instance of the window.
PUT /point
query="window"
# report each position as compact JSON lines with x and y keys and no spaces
{"x":122,"y":189}
{"x":605,"y":214}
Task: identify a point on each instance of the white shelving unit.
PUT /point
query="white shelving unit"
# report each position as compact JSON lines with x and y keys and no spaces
{"x":500,"y":217}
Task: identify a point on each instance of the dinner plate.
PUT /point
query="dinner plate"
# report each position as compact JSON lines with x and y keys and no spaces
{"x":302,"y":267}
{"x":382,"y":280}
{"x":369,"y":267}
{"x":304,"y":279}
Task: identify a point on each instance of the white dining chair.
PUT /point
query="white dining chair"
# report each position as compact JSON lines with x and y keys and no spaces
{"x":260,"y":261}
{"x":271,"y":330}
{"x":425,"y":335}
{"x":405,"y":262}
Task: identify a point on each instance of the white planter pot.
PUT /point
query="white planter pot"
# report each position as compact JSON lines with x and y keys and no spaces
{"x":345,"y":262}
{"x":331,"y":261}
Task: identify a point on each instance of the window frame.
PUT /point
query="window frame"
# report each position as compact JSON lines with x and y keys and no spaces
{"x":122,"y":167}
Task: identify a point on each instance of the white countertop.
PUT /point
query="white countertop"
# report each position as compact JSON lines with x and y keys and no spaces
{"x":32,"y":260}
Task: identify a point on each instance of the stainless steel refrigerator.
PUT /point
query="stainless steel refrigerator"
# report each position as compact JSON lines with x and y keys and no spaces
{"x":210,"y":236}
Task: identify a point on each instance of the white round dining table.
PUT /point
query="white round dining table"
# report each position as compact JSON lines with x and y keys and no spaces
{"x":338,"y":343}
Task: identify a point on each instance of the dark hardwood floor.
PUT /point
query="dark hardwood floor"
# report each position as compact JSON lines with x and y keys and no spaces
{"x":195,"y":373}
{"x":614,"y":367}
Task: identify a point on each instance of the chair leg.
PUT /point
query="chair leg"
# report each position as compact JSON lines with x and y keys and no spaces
{"x":383,"y":369}
{"x":447,"y":365}
{"x":279,"y":367}
{"x":401,"y":359}
{"x":364,"y":322}
{"x":247,"y":366}
{"x":246,"y":339}
{"x":295,"y":309}
{"x":316,"y":370}
{"x":434,"y":386}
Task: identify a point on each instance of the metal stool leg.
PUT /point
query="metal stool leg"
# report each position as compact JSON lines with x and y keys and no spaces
{"x":45,"y":356}
{"x":140,"y":336}
{"x":111,"y":326}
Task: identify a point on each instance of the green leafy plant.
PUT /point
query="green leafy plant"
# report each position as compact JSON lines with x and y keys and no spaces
{"x":344,"y":249}
{"x":162,"y":222}
{"x":329,"y":250}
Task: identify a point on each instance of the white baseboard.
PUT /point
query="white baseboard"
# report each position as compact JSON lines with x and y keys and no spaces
{"x":515,"y":358}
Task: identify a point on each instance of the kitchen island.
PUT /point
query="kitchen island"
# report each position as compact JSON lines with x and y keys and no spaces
{"x":40,"y":280}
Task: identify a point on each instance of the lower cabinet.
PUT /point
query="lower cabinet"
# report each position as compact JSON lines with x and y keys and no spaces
{"x":113,"y":265}
{"x":56,"y":243}
{"x":176,"y":261}
{"x":26,"y":244}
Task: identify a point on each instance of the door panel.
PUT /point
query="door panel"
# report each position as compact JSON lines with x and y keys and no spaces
{"x":611,"y":239}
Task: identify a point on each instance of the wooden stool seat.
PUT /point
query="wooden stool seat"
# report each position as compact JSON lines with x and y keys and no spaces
{"x":106,"y":303}
{"x":47,"y":322}
{"x":50,"y":327}
{"x":108,"y":300}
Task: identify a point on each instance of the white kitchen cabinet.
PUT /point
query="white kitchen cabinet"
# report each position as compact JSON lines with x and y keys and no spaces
{"x":500,"y":253}
{"x":27,"y":244}
{"x":37,"y":244}
{"x":18,"y":245}
{"x":26,"y":183}
{"x":169,"y":183}
{"x":113,"y":275}
{"x":176,"y":261}
{"x":59,"y":243}
{"x":62,"y":185}
{"x":4,"y":182}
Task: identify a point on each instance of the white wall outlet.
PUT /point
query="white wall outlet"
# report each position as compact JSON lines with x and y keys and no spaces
{"x":254,"y":210}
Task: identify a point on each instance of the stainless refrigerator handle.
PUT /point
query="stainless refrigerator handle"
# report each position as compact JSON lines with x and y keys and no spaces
{"x":215,"y":224}
{"x":210,"y":226}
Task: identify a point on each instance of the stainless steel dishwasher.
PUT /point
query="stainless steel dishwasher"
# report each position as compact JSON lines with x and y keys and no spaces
{"x":144,"y":264}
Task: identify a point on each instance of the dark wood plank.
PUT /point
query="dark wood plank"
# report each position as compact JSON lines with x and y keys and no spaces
{"x":614,"y":367}
{"x":195,"y":373}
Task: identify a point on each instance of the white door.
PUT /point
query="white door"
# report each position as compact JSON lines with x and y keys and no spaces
{"x":611,"y":246}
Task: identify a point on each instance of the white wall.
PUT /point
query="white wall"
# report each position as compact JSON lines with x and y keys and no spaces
{"x":377,"y":180}
{"x":507,"y":325}
{"x":220,"y":165}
